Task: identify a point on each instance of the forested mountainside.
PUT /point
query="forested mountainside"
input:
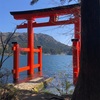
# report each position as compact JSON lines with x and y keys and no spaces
{"x":48,"y":43}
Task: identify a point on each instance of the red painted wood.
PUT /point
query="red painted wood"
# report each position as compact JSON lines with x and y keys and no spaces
{"x":40,"y":58}
{"x":65,"y":22}
{"x":52,"y":13}
{"x":30,"y":59}
{"x":76,"y":50}
{"x":16,"y":62}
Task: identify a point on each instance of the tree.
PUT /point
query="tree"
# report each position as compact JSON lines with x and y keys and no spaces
{"x":4,"y":45}
{"x":88,"y":84}
{"x":33,"y":2}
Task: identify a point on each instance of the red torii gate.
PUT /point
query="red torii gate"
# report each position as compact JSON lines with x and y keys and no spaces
{"x":53,"y":14}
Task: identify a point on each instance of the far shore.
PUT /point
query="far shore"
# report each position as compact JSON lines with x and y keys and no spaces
{"x":7,"y":54}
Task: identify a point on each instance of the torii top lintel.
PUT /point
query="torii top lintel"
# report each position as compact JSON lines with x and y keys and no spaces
{"x":52,"y":13}
{"x":62,"y":10}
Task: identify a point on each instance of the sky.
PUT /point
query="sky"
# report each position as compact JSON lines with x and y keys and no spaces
{"x":62,"y":33}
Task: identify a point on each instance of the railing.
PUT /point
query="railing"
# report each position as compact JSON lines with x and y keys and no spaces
{"x":16,"y":68}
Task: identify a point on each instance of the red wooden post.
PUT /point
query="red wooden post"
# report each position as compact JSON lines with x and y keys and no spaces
{"x":16,"y":61}
{"x":40,"y":58}
{"x":75,"y":71}
{"x":30,"y":46}
{"x":76,"y":50}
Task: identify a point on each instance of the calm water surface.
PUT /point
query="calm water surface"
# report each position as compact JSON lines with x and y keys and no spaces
{"x":52,"y":64}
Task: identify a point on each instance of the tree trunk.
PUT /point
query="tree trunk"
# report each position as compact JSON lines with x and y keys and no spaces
{"x":88,"y":84}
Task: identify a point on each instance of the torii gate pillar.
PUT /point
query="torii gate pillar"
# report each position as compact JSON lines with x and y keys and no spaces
{"x":31,"y":46}
{"x":76,"y":49}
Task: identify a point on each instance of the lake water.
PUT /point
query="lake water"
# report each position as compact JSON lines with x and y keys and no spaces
{"x":52,"y":64}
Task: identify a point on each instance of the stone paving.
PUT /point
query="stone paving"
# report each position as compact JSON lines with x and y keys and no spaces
{"x":34,"y":84}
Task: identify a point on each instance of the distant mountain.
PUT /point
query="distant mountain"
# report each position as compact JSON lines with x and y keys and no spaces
{"x":49,"y":44}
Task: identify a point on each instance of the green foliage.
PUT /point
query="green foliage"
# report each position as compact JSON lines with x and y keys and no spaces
{"x":8,"y":92}
{"x":33,"y":2}
{"x":60,"y":85}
